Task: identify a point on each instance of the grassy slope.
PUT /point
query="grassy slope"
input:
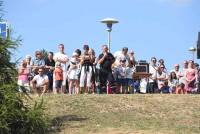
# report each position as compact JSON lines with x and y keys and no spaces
{"x":170,"y":114}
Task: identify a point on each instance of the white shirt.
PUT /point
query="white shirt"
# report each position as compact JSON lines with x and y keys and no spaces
{"x":119,"y":55}
{"x":163,"y":75}
{"x":121,"y":71}
{"x":40,"y":79}
{"x":129,"y":72}
{"x":60,"y":57}
{"x":153,"y":71}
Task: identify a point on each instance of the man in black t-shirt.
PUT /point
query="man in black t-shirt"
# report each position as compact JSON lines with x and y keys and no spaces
{"x":105,"y":60}
{"x":49,"y":66}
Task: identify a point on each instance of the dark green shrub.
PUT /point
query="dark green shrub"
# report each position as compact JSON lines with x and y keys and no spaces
{"x":18,"y":118}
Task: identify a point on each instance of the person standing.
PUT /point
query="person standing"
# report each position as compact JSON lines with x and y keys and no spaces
{"x":63,"y":59}
{"x":123,"y":54}
{"x":190,"y":77}
{"x":105,"y":60}
{"x":23,"y":81}
{"x":86,"y":70}
{"x":73,"y":74}
{"x":58,"y":74}
{"x":152,"y":85}
{"x":38,"y":62}
{"x":132,"y":58}
{"x":183,"y":71}
{"x":50,"y":66}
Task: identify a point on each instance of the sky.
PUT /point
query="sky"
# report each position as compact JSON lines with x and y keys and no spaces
{"x":161,"y":28}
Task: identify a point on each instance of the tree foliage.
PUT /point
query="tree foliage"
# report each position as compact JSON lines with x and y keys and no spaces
{"x":16,"y":117}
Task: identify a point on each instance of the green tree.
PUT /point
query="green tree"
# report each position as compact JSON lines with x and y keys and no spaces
{"x":44,"y":54}
{"x":15,"y":116}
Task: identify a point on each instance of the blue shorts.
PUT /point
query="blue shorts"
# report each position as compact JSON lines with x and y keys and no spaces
{"x":58,"y":83}
{"x":122,"y":81}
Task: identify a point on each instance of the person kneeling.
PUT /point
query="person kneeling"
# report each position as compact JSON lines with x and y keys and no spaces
{"x":40,"y":82}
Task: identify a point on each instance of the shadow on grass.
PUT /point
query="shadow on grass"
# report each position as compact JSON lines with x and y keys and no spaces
{"x":57,"y":122}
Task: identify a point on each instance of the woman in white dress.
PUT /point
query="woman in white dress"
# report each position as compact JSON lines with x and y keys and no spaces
{"x":73,"y":74}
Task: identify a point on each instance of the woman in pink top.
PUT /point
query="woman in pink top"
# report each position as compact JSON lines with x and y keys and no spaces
{"x":190,"y":76}
{"x":23,"y":73}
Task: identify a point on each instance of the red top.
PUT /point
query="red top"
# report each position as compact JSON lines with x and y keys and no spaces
{"x":58,"y":74}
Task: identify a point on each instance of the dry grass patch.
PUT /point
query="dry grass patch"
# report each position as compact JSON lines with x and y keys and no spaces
{"x":124,"y":114}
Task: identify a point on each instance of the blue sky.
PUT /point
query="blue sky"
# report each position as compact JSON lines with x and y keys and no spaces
{"x":161,"y":28}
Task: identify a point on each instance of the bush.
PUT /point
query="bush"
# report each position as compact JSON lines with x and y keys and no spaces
{"x":17,"y":117}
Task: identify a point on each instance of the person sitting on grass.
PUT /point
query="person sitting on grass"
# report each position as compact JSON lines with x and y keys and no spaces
{"x":180,"y":89}
{"x":40,"y":82}
{"x":165,"y":88}
{"x":161,"y":77}
{"x":173,"y":81}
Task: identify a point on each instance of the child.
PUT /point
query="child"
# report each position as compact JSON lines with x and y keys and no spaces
{"x":165,"y":88}
{"x":58,"y":76}
{"x":173,"y":82}
{"x":121,"y":71}
{"x":129,"y":78}
{"x":73,"y":74}
{"x":180,"y":89}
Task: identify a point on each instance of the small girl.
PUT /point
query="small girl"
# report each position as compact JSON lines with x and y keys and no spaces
{"x":173,"y":82}
{"x":73,"y":74}
{"x":121,"y":70}
{"x":129,"y":78}
{"x":58,"y":76}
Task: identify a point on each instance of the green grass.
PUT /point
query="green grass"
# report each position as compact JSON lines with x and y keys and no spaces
{"x":124,"y":114}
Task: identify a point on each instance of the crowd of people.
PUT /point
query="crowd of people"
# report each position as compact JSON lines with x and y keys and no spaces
{"x":85,"y":72}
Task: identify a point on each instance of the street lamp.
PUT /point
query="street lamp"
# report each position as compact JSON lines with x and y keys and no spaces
{"x":109,"y":22}
{"x":192,"y":50}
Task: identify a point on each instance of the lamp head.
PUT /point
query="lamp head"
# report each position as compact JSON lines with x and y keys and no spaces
{"x":109,"y":22}
{"x":192,"y":49}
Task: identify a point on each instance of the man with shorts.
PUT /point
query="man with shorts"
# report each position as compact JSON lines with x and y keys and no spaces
{"x":63,"y":59}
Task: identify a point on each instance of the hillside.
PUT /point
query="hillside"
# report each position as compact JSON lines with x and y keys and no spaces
{"x":124,"y":114}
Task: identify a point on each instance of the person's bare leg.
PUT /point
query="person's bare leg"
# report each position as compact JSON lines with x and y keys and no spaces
{"x":34,"y":88}
{"x":70,"y":86}
{"x":77,"y":87}
{"x":81,"y":90}
{"x":44,"y":89}
{"x":63,"y":89}
{"x":86,"y":90}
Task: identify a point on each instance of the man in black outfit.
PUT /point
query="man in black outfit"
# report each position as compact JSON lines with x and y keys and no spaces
{"x":49,"y":65}
{"x":105,"y":60}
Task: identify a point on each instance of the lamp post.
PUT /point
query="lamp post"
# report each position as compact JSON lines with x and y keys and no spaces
{"x":109,"y":22}
{"x":192,"y":50}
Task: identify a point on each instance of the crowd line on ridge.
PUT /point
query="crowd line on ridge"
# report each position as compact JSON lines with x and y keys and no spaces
{"x":85,"y":72}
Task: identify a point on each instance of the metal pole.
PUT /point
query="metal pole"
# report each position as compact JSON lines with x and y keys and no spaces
{"x":193,"y":55}
{"x":109,"y":40}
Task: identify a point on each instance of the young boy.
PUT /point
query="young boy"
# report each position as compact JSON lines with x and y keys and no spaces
{"x":58,"y":76}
